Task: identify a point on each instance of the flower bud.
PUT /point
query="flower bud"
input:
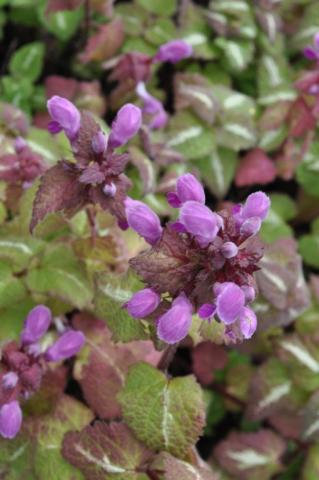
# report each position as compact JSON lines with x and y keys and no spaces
{"x":250,"y":227}
{"x":256,"y":205}
{"x":189,"y":188}
{"x":9,"y":380}
{"x":109,"y":189}
{"x":19,"y":144}
{"x":99,"y":143}
{"x":10,"y":419}
{"x":153,"y":107}
{"x":126,"y":124}
{"x":312,"y":51}
{"x":68,"y":345}
{"x":200,"y":221}
{"x":143,"y":303}
{"x":36,"y":325}
{"x":65,"y":116}
{"x":230,"y":302}
{"x":174,"y":325}
{"x":143,"y":220}
{"x":173,"y":51}
{"x":229,"y":249}
{"x":247,"y":322}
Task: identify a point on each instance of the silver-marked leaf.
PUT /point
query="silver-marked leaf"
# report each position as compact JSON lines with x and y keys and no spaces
{"x":218,"y":170}
{"x":111,"y":293}
{"x":165,"y":414}
{"x":69,"y":414}
{"x":281,"y":282}
{"x":251,"y":456}
{"x":145,"y":169}
{"x":106,"y":452}
{"x":175,"y":468}
{"x":270,"y":386}
{"x":189,"y":136}
{"x":196,"y":92}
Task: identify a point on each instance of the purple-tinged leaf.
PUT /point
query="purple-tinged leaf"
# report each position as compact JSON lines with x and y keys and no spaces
{"x":59,"y":190}
{"x":255,"y":168}
{"x":175,"y":468}
{"x":251,"y":456}
{"x":207,"y":358}
{"x":104,"y":43}
{"x":105,"y":451}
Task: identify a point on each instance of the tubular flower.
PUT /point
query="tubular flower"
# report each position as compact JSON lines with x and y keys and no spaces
{"x":97,"y":175}
{"x":22,"y":365}
{"x":204,"y":262}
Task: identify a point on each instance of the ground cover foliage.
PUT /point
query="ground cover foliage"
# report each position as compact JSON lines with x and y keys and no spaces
{"x":159,"y":218}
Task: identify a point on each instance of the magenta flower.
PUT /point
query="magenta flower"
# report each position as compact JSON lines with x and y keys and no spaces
{"x":65,"y":116}
{"x":200,"y":221}
{"x":10,"y":419}
{"x":152,"y":107}
{"x":256,"y":205}
{"x":143,"y":303}
{"x":174,"y":325}
{"x":203,"y":262}
{"x":22,"y":366}
{"x":207,"y":310}
{"x":99,"y":143}
{"x":143,"y":220}
{"x":312,"y":51}
{"x":127,"y":123}
{"x":247,"y":322}
{"x":173,"y":51}
{"x":68,"y":345}
{"x":229,"y":302}
{"x":187,"y":188}
{"x":36,"y":324}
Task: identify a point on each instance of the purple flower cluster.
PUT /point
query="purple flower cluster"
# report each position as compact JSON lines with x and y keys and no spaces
{"x":97,"y":175}
{"x":202,"y":263}
{"x":312,"y":51}
{"x":66,"y":117}
{"x":23,"y":365}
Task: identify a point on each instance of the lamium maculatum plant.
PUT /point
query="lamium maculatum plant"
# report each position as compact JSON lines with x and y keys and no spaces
{"x":202,"y":263}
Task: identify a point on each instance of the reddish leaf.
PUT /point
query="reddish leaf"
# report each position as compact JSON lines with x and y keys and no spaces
{"x":105,"y":43}
{"x":102,"y":450}
{"x":175,"y":468}
{"x":102,"y":366}
{"x":251,"y":456}
{"x":207,"y":358}
{"x":60,"y":5}
{"x":300,"y":119}
{"x":59,"y":190}
{"x":255,"y":168}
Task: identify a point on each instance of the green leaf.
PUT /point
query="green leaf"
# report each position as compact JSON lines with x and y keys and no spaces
{"x":164,"y":414}
{"x":12,"y":318}
{"x":62,"y":275}
{"x":274,"y":227}
{"x":309,"y":249}
{"x":237,"y":54}
{"x":218,"y":170}
{"x":190,"y":136}
{"x":16,"y":458}
{"x":69,"y":414}
{"x":110,"y":294}
{"x":12,"y":289}
{"x":311,"y":467}
{"x":283,"y":205}
{"x":19,"y":251}
{"x":62,"y":24}
{"x":159,"y":7}
{"x":308,"y":170}
{"x":52,"y":148}
{"x":27,"y":61}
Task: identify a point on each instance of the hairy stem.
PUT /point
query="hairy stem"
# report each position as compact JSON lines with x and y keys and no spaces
{"x":167,"y":357}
